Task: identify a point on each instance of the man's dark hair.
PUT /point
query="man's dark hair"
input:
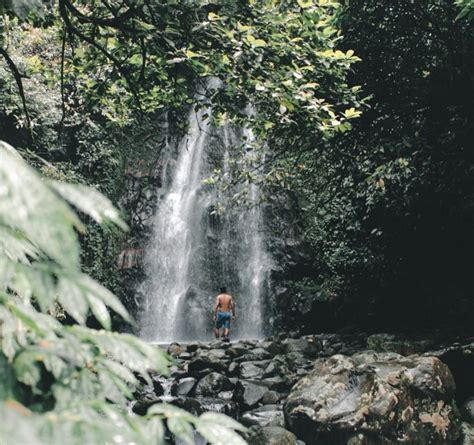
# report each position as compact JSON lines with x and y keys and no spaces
{"x":223,"y":290}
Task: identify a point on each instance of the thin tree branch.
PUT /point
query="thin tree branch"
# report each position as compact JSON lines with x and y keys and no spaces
{"x":117,"y":63}
{"x":63,"y":104}
{"x":18,"y":79}
{"x":116,"y":22}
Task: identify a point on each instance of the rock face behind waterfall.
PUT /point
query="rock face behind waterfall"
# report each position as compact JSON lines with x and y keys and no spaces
{"x":375,"y":396}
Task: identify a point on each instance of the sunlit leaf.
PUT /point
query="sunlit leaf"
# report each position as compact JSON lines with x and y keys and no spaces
{"x":53,"y":230}
{"x":91,"y":202}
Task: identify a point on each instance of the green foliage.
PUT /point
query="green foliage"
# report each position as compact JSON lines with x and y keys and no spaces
{"x":22,"y":8}
{"x":69,"y":383}
{"x":467,"y":9}
{"x":386,"y":206}
{"x":98,"y":76}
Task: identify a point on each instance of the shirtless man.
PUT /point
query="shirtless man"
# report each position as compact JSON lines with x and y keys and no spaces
{"x":224,"y":310}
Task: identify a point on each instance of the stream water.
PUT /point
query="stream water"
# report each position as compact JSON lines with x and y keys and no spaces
{"x":193,"y":251}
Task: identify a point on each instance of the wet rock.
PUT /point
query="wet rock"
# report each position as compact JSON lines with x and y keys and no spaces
{"x":175,"y":349}
{"x":225,"y":395}
{"x":212,"y":384}
{"x":255,"y":355}
{"x":199,"y":374}
{"x":467,"y":434}
{"x":185,"y":356}
{"x":141,"y":379}
{"x":192,"y":347}
{"x":198,"y":406}
{"x":271,"y":435}
{"x":220,"y":345}
{"x":309,"y":346}
{"x":386,"y":394}
{"x":203,"y":362}
{"x":215,"y":354}
{"x":270,"y":398}
{"x":217,"y":405}
{"x":191,"y":405}
{"x":184,"y":386}
{"x":301,"y":372}
{"x":145,"y":401}
{"x":272,"y":347}
{"x":157,"y":386}
{"x":275,"y":368}
{"x":248,"y":394}
{"x":179,"y":374}
{"x":268,"y":415}
{"x":236,"y":350}
{"x":278,"y":383}
{"x":248,"y":370}
{"x":233,"y":380}
{"x":468,"y":410}
{"x":297,"y":360}
{"x":233,"y":369}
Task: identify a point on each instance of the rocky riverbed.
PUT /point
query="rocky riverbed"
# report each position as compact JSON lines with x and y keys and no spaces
{"x":327,"y":389}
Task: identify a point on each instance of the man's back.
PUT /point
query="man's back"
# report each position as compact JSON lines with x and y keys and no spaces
{"x":224,"y":302}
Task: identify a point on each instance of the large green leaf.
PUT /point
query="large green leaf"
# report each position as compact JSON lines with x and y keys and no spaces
{"x":223,"y":420}
{"x":28,"y":205}
{"x":182,"y":429}
{"x":218,"y":434}
{"x":91,"y":202}
{"x":15,"y":246}
{"x":26,"y":367}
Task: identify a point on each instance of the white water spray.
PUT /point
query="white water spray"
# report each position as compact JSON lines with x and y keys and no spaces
{"x":191,"y":254}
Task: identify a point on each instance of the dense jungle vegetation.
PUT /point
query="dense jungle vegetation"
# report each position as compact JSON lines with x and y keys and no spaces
{"x":367,"y":109}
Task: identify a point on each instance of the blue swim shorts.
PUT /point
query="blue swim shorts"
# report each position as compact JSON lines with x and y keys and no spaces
{"x":223,"y":320}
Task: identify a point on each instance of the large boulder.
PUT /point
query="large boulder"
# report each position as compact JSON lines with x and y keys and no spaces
{"x":236,"y":350}
{"x":271,"y":397}
{"x":271,"y":435}
{"x":250,"y":370}
{"x":384,"y":396}
{"x":212,"y":384}
{"x":206,"y":360}
{"x":248,"y":394}
{"x":255,"y":354}
{"x":184,"y":387}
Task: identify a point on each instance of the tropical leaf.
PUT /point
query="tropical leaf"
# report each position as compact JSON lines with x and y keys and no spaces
{"x":223,"y":420}
{"x":15,"y":246}
{"x":182,"y":429}
{"x":218,"y":434}
{"x":53,"y":229}
{"x":91,"y":202}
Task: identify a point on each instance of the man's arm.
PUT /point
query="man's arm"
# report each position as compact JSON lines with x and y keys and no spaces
{"x":232,"y":305}
{"x":216,"y":306}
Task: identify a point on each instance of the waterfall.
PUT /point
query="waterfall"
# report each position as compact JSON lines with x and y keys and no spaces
{"x":193,"y":252}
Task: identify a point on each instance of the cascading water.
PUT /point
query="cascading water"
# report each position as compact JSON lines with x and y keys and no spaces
{"x":193,"y":252}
